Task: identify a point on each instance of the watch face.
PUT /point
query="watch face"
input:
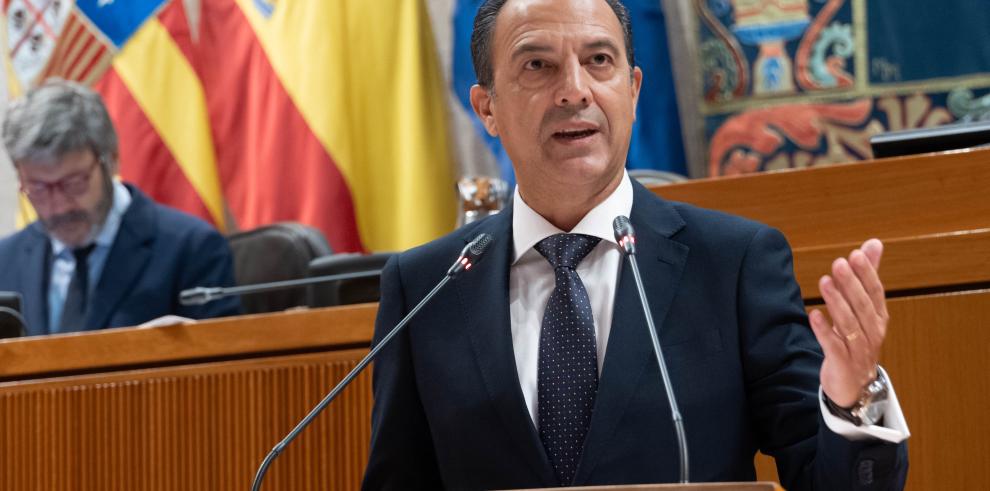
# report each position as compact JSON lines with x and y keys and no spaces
{"x":875,"y":387}
{"x":873,"y":412}
{"x":874,"y":403}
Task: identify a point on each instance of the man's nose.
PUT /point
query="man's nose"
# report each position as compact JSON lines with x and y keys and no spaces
{"x":574,"y":88}
{"x":59,"y":202}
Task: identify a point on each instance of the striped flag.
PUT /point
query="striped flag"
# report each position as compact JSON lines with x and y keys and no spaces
{"x":327,"y":113}
{"x":132,"y":53}
{"x":346,"y":93}
{"x":79,"y":53}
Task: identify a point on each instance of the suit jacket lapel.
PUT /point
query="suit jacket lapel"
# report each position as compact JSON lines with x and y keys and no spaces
{"x":126,"y":262}
{"x":35,"y":272}
{"x":629,"y":349}
{"x":484,"y":302}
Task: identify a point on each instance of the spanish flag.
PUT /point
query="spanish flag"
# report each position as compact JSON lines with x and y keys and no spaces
{"x":248,"y":112}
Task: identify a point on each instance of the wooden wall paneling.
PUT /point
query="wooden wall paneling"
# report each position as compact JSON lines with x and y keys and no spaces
{"x":899,"y":197}
{"x":208,"y":426}
{"x":202,"y":426}
{"x":936,"y":354}
{"x":943,"y":261}
{"x":936,"y":351}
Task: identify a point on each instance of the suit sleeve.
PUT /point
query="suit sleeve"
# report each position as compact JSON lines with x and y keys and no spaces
{"x":401,"y":454}
{"x":782,"y":361}
{"x":207,"y":261}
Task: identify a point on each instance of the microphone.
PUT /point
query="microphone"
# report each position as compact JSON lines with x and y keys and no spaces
{"x":625,"y":235}
{"x":204,"y":294}
{"x":470,"y":254}
{"x":468,"y":257}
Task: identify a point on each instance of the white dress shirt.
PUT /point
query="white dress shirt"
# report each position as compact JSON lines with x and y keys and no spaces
{"x":531,"y":280}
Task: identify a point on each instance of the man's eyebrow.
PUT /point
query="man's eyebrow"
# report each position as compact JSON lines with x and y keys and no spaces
{"x":605,"y":44}
{"x":529,"y":48}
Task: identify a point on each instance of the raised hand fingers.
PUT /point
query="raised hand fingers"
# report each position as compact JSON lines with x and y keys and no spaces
{"x":850,"y":285}
{"x":839,"y":309}
{"x":870,"y":280}
{"x":873,"y":249}
{"x":831,"y":342}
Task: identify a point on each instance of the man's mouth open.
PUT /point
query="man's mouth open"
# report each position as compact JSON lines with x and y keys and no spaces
{"x":574,"y":135}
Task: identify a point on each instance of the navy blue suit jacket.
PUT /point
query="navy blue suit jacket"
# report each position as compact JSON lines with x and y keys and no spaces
{"x":449,"y":411}
{"x":157,"y":253}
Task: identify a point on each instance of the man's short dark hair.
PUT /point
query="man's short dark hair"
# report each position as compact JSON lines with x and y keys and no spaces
{"x":484,"y":33}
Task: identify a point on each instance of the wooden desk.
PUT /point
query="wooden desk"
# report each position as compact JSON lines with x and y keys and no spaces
{"x":198,"y":406}
{"x":214,"y":397}
{"x":186,"y":407}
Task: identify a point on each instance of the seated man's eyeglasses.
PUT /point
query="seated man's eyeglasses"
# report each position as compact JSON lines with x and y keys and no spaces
{"x":73,"y":185}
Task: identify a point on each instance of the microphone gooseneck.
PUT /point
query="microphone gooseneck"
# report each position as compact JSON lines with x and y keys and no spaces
{"x":468,"y":257}
{"x":204,"y":294}
{"x":625,"y":235}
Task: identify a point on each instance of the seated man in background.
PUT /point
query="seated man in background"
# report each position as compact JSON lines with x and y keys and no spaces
{"x":102,"y":253}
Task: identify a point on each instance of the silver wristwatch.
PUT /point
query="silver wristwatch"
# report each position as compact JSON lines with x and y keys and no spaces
{"x":870,"y":407}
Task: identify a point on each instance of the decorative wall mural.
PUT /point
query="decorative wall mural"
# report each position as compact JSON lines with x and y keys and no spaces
{"x":797,"y":83}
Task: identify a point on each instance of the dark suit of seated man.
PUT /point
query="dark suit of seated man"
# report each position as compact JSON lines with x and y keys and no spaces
{"x":535,"y":369}
{"x":102,"y":254}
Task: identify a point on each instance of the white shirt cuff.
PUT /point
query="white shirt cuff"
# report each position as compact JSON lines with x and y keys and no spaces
{"x":894,"y":427}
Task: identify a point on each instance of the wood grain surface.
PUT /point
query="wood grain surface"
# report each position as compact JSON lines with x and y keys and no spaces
{"x":208,"y":425}
{"x":849,"y":203}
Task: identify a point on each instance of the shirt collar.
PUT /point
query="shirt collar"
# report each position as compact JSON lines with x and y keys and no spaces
{"x":108,"y":232}
{"x":529,"y":227}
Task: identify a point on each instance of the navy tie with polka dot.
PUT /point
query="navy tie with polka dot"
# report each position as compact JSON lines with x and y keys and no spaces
{"x":568,"y":359}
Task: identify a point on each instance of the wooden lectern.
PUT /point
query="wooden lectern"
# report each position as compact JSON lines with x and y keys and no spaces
{"x":705,"y":486}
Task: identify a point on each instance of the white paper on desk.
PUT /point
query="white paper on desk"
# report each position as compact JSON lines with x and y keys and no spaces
{"x":167,"y":320}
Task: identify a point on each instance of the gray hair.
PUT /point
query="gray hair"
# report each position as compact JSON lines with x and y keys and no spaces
{"x":56,"y":118}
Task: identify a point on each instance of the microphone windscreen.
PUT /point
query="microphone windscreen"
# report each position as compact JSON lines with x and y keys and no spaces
{"x":480,"y":243}
{"x":625,"y":235}
{"x":622,"y":228}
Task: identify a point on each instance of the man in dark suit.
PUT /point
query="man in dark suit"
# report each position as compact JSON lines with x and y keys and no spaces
{"x":101,"y":254}
{"x":534,"y":368}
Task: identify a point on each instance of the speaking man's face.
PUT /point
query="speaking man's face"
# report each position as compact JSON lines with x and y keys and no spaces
{"x":563,"y":99}
{"x":71,"y":197}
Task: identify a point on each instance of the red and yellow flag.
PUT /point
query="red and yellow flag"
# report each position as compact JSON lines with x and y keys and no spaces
{"x":251,"y":112}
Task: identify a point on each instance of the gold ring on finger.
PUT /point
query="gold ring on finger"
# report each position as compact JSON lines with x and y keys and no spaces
{"x":852,"y":337}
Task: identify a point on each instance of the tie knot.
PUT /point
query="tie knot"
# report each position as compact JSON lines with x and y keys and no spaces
{"x":566,"y":250}
{"x":82,"y":253}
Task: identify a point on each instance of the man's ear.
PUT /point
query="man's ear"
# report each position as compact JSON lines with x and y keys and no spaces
{"x":637,"y":83}
{"x":481,"y":102}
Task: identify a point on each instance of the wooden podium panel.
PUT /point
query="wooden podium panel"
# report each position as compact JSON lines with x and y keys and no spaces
{"x":197,"y":427}
{"x":725,"y":486}
{"x":189,"y":423}
{"x":200,"y":412}
{"x":937,"y":356}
